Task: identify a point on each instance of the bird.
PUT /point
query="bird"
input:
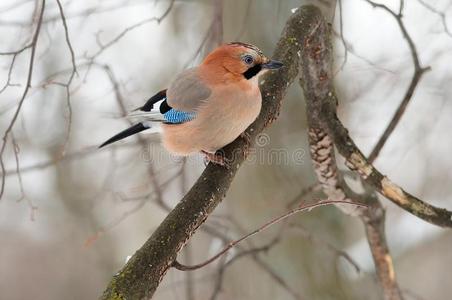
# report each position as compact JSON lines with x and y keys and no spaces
{"x":207,"y":107}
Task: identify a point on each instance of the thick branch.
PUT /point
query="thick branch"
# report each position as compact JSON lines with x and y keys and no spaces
{"x":374,"y":224}
{"x":316,"y":79}
{"x":142,"y":274}
{"x":357,"y":162}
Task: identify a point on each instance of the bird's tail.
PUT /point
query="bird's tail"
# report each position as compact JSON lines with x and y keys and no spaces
{"x":143,"y":121}
{"x":146,"y":116}
{"x":125,"y":133}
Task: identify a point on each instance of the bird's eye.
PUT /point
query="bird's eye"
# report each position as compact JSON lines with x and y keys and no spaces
{"x":248,"y":59}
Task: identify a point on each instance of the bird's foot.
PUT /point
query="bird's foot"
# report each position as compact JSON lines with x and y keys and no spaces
{"x":247,"y":137}
{"x":217,"y":158}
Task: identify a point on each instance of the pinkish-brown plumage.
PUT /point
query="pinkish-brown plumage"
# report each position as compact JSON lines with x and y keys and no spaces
{"x":218,"y":100}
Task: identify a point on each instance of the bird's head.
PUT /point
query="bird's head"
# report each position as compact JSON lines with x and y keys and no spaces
{"x":241,"y":59}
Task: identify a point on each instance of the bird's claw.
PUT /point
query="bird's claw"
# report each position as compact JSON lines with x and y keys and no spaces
{"x":216,"y":158}
{"x":246,"y":136}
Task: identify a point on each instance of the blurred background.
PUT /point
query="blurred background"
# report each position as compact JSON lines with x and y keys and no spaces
{"x":71,"y":214}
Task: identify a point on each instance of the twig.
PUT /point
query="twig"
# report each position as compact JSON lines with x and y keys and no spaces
{"x":10,"y":70}
{"x":15,"y":5}
{"x":23,"y":196}
{"x":115,"y":222}
{"x":418,"y":72}
{"x":96,"y":9}
{"x":304,"y":208}
{"x":159,"y":19}
{"x":256,"y":259}
{"x":24,"y":95}
{"x":242,"y":254}
{"x":121,"y":103}
{"x":91,"y":150}
{"x":69,"y":81}
{"x":338,"y":252}
{"x":441,"y":14}
{"x":341,"y":34}
{"x":303,"y":193}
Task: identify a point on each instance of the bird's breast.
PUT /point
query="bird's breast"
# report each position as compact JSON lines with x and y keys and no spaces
{"x":219,"y":120}
{"x":228,"y":113}
{"x":235,"y":105}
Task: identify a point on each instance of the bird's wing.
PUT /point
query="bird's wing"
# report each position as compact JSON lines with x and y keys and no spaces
{"x":178,"y":104}
{"x":187,"y":91}
{"x":149,"y":105}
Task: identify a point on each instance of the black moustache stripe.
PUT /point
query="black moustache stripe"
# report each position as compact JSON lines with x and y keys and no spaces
{"x":253,"y":71}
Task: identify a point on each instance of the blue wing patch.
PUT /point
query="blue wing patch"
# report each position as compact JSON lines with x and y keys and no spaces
{"x":173,"y":116}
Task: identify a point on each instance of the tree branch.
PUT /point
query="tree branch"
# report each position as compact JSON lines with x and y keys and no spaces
{"x":140,"y":277}
{"x":417,"y":75}
{"x":316,"y":61}
{"x":316,"y":80}
{"x":374,"y":224}
{"x":8,"y":130}
{"x":272,"y":222}
{"x":356,"y":161}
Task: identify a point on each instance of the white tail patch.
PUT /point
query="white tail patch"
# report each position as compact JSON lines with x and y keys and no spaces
{"x":146,"y":118}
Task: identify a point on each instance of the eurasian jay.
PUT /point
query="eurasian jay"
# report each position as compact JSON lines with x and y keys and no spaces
{"x":209,"y":106}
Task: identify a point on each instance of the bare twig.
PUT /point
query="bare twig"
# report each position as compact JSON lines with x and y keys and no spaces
{"x":315,"y":240}
{"x":303,"y":193}
{"x":418,"y":72}
{"x":23,"y":196}
{"x":103,"y":47}
{"x":91,"y":150}
{"x":19,"y":51}
{"x":14,"y":55}
{"x":441,"y":14}
{"x":275,"y":276}
{"x":15,"y":5}
{"x":242,"y":254}
{"x":272,"y":222}
{"x":341,"y":34}
{"x":24,"y":94}
{"x":10,"y":70}
{"x":348,"y":47}
{"x":141,"y":140}
{"x":141,"y":201}
{"x":69,"y":81}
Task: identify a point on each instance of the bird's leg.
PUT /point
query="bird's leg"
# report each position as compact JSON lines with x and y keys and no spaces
{"x":216,"y":158}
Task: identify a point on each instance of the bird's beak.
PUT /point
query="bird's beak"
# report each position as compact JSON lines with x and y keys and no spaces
{"x":272,"y":65}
